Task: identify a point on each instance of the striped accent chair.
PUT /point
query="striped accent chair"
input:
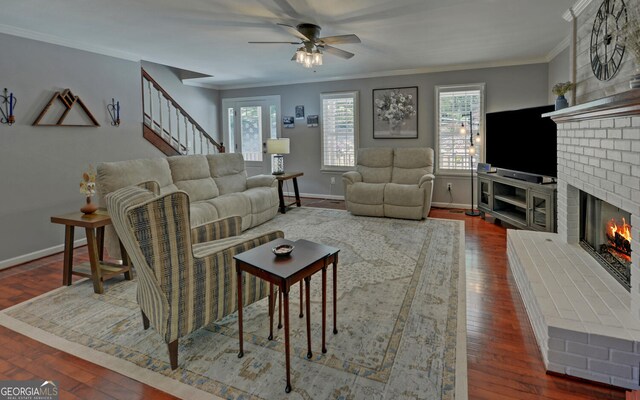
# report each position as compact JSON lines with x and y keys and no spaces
{"x":186,"y":277}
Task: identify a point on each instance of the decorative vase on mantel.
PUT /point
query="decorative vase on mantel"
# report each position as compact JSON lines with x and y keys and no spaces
{"x":90,"y":207}
{"x":561,"y":102}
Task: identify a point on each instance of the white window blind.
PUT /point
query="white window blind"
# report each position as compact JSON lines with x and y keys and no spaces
{"x":454,"y":106}
{"x":339,"y":130}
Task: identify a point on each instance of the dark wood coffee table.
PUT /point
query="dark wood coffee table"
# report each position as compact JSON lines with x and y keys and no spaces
{"x":306,"y":259}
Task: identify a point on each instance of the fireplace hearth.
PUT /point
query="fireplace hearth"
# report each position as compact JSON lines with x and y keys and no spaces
{"x":606,"y":234}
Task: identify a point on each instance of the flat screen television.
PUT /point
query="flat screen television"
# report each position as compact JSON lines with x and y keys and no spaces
{"x":523,"y":141}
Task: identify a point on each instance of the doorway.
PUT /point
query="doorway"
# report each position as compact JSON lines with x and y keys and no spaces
{"x":247,"y":124}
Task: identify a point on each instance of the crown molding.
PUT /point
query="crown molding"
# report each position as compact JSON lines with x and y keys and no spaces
{"x":205,"y":85}
{"x":74,"y":44}
{"x":576,"y":10}
{"x":200,"y":82}
{"x":558,"y":49}
{"x":380,"y":74}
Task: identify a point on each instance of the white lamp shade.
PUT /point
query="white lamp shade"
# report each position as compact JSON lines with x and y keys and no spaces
{"x":278,"y":146}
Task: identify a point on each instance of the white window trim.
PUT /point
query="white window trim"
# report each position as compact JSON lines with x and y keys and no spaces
{"x":449,"y":88}
{"x":356,"y":129}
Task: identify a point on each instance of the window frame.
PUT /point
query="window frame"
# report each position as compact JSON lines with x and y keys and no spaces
{"x":458,"y":88}
{"x":355,"y":94}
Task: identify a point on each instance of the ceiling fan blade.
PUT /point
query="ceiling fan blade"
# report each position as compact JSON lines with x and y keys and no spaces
{"x":292,"y":30}
{"x":340,"y":39}
{"x":337,"y":52}
{"x":294,"y":56}
{"x":274,"y":42}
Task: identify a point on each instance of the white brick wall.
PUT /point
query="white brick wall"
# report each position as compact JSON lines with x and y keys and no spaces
{"x":585,"y":323}
{"x":581,"y":316}
{"x":606,"y":166}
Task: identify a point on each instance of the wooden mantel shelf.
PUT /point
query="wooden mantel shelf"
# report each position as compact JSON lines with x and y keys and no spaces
{"x":618,"y":105}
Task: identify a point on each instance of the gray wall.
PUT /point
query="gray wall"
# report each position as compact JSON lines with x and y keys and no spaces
{"x":41,"y":167}
{"x":506,"y":88}
{"x":559,"y":71}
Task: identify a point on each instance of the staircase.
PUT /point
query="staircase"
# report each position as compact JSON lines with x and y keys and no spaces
{"x":169,"y":127}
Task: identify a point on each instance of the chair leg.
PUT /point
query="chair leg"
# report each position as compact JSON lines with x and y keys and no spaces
{"x":173,"y":354}
{"x":145,"y":321}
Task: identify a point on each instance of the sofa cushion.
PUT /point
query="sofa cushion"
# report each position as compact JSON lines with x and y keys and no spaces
{"x":232,"y":204}
{"x":375,"y":164}
{"x":403,"y":201}
{"x":366,"y":193}
{"x":202,"y":212}
{"x":192,"y":174}
{"x":403,"y":195}
{"x":228,"y":172}
{"x":410,"y":164}
{"x":262,"y":198}
{"x":264,"y":203}
{"x":112,"y":176}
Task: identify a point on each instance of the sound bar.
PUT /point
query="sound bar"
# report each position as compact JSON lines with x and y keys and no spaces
{"x":524,"y":176}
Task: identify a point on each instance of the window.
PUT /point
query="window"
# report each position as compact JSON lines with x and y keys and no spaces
{"x":339,"y":130}
{"x":454,"y":103}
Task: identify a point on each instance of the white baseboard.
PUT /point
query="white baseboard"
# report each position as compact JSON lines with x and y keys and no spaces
{"x":4,"y":264}
{"x":449,"y":205}
{"x":316,"y":196}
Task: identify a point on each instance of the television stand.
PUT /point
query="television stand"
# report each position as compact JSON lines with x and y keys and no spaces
{"x":523,"y":204}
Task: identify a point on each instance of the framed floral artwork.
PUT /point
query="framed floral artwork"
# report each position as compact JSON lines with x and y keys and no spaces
{"x":395,"y":113}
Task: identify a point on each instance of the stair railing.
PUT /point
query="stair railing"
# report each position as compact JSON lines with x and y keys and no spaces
{"x":167,"y":119}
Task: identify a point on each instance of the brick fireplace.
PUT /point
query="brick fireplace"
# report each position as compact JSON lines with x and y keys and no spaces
{"x":586,"y":323}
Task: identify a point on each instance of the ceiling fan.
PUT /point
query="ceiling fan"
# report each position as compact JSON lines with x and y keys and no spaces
{"x":310,"y":53}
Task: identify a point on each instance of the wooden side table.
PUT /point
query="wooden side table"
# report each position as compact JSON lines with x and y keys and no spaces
{"x":94,"y":227}
{"x":283,"y":177}
{"x":307,"y":259}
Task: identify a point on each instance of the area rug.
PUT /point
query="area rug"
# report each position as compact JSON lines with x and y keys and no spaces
{"x":401,"y":322}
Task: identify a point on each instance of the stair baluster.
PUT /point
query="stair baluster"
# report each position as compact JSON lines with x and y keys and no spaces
{"x":169,"y":133}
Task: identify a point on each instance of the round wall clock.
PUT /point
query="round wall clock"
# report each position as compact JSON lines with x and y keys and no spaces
{"x":607,"y":40}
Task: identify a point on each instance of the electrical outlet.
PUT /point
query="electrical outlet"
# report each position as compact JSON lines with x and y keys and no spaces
{"x":449,"y":186}
{"x":333,"y":180}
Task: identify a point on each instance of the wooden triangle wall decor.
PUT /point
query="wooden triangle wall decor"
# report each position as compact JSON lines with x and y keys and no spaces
{"x":69,"y":100}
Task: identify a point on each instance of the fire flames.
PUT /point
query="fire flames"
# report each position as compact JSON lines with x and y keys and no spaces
{"x":620,"y":237}
{"x":623,"y":230}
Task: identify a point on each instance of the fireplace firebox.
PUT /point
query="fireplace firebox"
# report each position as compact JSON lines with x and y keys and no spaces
{"x":606,"y":234}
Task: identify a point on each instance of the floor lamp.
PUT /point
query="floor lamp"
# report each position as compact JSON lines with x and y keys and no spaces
{"x":472,"y":151}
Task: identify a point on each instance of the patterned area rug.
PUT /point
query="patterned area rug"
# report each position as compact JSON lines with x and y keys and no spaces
{"x":400,"y":315}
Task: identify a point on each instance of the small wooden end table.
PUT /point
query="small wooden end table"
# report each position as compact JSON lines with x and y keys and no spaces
{"x":306,"y":259}
{"x":94,"y":227}
{"x":283,"y":177}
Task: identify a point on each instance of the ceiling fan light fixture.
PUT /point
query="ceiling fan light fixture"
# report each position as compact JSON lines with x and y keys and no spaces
{"x":301,"y":55}
{"x":308,"y":60}
{"x":317,"y":58}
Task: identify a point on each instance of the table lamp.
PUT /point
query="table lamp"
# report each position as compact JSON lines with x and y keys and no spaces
{"x":278,"y":147}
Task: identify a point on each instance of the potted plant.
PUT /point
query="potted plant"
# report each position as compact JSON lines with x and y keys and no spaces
{"x":559,"y":89}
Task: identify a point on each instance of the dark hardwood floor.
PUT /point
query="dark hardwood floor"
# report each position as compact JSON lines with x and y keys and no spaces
{"x":503,"y":359}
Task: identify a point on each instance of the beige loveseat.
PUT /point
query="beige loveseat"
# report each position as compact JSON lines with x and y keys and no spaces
{"x":391,"y":182}
{"x":217,"y":185}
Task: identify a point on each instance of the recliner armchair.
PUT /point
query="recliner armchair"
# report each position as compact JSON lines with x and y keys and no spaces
{"x":186,"y":277}
{"x":388,"y":182}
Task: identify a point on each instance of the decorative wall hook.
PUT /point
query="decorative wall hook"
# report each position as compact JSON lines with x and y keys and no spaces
{"x":7,"y":106}
{"x":114,"y":112}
